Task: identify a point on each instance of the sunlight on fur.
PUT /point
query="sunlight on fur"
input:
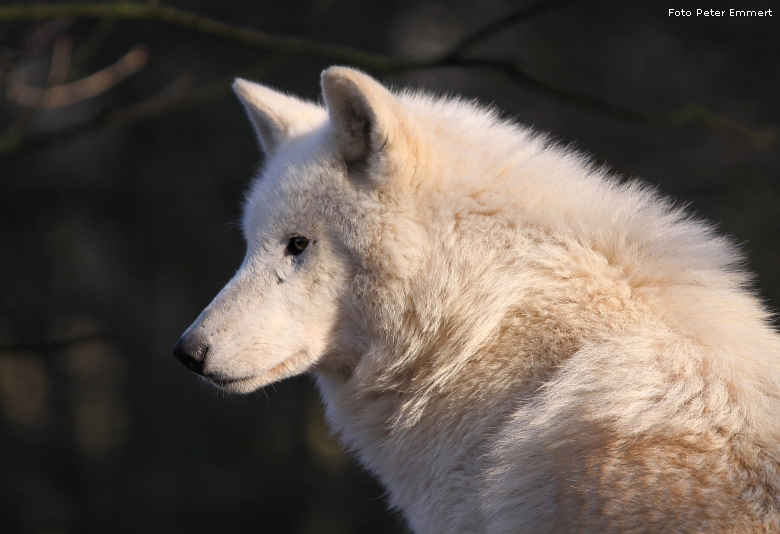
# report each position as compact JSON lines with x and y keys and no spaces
{"x":511,"y":339}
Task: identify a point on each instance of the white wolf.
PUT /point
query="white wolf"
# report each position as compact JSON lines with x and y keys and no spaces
{"x":512,"y":340}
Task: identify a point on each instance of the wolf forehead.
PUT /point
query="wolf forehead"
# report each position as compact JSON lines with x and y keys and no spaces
{"x":332,"y":162}
{"x":290,"y":197}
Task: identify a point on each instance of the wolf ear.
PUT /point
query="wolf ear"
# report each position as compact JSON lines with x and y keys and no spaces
{"x":366,"y":118}
{"x":275,"y":116}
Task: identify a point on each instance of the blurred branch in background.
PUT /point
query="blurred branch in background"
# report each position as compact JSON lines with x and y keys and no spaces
{"x":65,"y":94}
{"x":117,"y":211}
{"x":181,"y":93}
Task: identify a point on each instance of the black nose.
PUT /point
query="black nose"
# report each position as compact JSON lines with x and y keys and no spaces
{"x":192,"y":353}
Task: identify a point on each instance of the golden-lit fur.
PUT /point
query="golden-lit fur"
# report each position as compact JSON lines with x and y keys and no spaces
{"x":510,"y":339}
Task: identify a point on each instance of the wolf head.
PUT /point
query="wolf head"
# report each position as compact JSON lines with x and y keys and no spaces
{"x":324,"y":213}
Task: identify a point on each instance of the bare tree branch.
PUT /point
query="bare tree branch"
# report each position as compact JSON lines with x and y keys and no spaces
{"x":205,"y":25}
{"x":285,"y":46}
{"x":59,"y":95}
{"x":693,"y":114}
{"x":489,"y":30}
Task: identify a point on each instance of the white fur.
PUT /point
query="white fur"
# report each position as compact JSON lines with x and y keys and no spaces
{"x":511,"y":339}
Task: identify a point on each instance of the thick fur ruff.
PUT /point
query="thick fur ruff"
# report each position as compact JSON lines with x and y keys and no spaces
{"x":509,"y":338}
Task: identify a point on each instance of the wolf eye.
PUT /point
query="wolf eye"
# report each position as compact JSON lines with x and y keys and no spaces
{"x":297,"y":244}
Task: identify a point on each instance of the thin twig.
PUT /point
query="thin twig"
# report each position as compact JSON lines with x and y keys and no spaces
{"x":171,"y":98}
{"x":60,"y":95}
{"x":12,"y":138}
{"x":491,"y":29}
{"x":693,"y":114}
{"x":91,"y":44}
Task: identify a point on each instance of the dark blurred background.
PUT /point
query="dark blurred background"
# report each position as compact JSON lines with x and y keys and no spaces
{"x":123,"y":162}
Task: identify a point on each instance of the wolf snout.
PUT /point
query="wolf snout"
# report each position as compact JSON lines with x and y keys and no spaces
{"x":191,"y":351}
